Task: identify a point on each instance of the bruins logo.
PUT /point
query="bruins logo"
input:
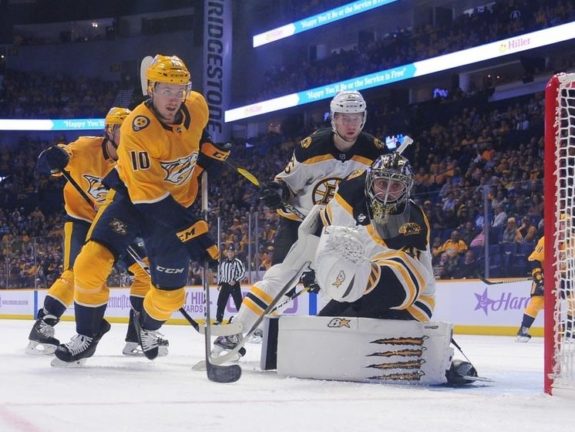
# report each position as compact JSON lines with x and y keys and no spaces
{"x":305,"y":143}
{"x":95,"y":188}
{"x":140,"y":122}
{"x":180,"y":170}
{"x":410,"y":228}
{"x":325,"y":190}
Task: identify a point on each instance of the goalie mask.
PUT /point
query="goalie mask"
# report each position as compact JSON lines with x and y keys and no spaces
{"x":168,"y":70}
{"x":387,"y":187}
{"x":348,"y":102}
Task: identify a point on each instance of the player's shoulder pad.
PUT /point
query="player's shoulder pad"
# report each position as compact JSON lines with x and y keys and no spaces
{"x":416,"y":230}
{"x":371,"y":143}
{"x":140,"y":118}
{"x":318,"y":143}
{"x":351,"y":191}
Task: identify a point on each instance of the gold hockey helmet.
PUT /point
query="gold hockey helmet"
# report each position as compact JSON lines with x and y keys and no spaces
{"x":168,"y":70}
{"x":116,"y":116}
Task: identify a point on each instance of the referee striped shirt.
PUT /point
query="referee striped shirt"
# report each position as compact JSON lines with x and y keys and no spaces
{"x":231,"y":271}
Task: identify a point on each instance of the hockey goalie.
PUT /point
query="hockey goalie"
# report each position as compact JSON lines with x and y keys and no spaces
{"x":373,"y":263}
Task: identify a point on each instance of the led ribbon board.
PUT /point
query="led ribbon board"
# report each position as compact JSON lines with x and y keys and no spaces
{"x":51,"y":125}
{"x":480,"y":53}
{"x":315,"y":21}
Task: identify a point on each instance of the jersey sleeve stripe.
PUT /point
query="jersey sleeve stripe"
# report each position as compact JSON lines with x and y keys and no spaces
{"x":363,"y":160}
{"x":408,"y":284}
{"x":419,"y":311}
{"x":343,"y":204}
{"x":318,"y":159}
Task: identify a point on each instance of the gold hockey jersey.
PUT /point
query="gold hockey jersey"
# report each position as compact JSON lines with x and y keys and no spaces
{"x":88,"y":165}
{"x":156,"y":160}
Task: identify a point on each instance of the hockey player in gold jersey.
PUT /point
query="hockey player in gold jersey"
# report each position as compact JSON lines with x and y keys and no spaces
{"x":155,"y":184}
{"x":536,"y":302}
{"x":85,"y":162}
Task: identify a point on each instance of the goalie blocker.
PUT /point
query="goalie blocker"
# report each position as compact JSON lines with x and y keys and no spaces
{"x":365,"y":350}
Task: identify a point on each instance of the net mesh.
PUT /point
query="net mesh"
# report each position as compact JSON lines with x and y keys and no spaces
{"x":564,"y":239}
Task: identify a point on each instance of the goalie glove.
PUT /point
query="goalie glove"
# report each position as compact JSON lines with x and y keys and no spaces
{"x":537,"y":284}
{"x":56,"y":158}
{"x":342,"y":267}
{"x":273,"y":195}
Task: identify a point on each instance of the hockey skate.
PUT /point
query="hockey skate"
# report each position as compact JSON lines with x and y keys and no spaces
{"x":224,"y":344}
{"x":461,"y":373}
{"x":80,"y":347}
{"x":133,"y":348}
{"x":522,"y":335}
{"x":41,"y":338}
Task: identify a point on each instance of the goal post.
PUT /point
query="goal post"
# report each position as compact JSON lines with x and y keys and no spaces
{"x":559,"y":266}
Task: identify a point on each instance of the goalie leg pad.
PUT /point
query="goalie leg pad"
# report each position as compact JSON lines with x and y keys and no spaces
{"x":364,"y":350}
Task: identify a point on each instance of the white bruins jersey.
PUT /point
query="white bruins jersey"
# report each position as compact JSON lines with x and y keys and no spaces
{"x":317,"y":167}
{"x":404,"y":274}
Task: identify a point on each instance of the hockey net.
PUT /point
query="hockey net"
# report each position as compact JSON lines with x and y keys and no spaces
{"x":559,"y":266}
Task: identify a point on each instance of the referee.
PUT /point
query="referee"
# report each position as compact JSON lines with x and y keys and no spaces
{"x":230,"y":272}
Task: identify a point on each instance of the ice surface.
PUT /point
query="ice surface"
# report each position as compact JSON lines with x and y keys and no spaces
{"x":114,"y":393}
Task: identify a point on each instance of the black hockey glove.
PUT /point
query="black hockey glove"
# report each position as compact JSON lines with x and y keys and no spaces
{"x":309,"y":282}
{"x":537,"y":284}
{"x":56,"y":158}
{"x":199,"y":244}
{"x":272,"y":195}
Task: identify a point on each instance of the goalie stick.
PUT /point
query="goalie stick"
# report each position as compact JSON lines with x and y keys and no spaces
{"x":243,"y":339}
{"x":216,"y":373}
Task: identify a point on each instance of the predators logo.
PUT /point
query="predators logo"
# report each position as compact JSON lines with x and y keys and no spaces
{"x":410,"y":228}
{"x":325,"y":190}
{"x":140,"y":122}
{"x":95,"y":188}
{"x":178,"y":171}
{"x":339,"y":322}
{"x":119,"y":226}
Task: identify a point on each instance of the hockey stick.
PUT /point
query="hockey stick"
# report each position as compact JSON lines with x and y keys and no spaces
{"x":233,"y":353}
{"x":253,"y":180}
{"x":488,"y":282}
{"x":216,"y":373}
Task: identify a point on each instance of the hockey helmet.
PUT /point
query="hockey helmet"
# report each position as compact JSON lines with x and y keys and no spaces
{"x":113,"y":121}
{"x":348,"y":102}
{"x":168,"y":70}
{"x":388,"y":186}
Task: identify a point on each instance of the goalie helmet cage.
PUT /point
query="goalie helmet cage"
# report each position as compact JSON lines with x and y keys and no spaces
{"x":559,"y":265}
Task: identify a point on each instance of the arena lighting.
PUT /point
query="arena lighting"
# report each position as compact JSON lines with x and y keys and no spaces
{"x":480,"y":53}
{"x":52,"y":125}
{"x":315,"y":21}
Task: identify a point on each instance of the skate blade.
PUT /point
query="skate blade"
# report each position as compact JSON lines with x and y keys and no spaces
{"x":523,"y":339}
{"x":162,"y":352}
{"x":39,"y":349}
{"x":223,"y":330}
{"x":57,"y":363}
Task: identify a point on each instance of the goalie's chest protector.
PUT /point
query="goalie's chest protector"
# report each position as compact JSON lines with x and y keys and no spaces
{"x":349,"y":208}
